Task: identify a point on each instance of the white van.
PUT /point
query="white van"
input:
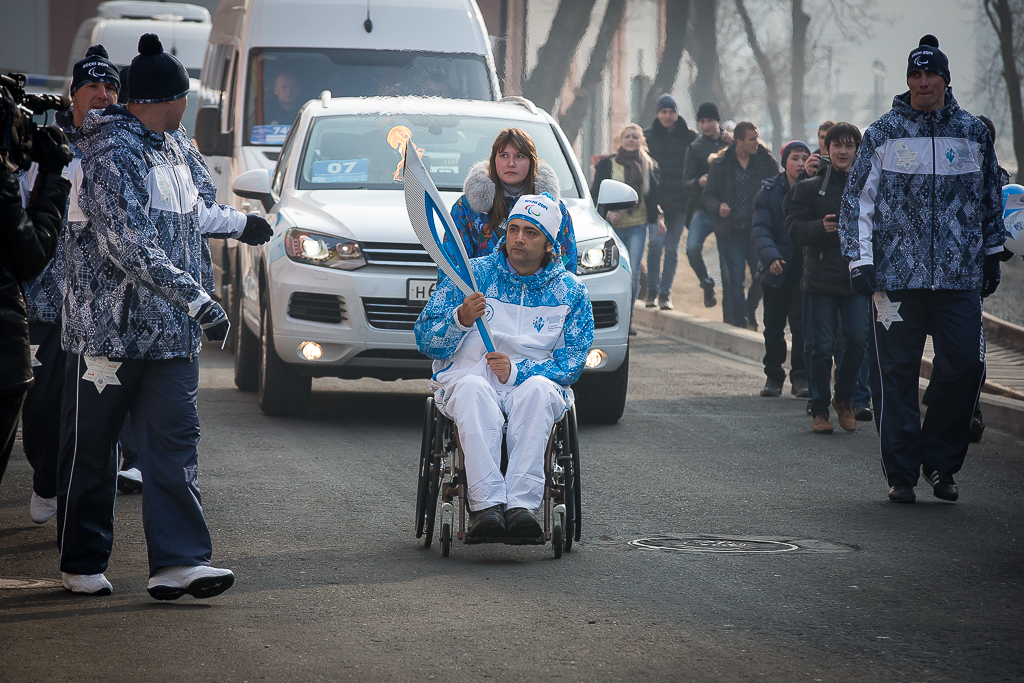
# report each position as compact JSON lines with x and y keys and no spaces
{"x":183,"y":30}
{"x":266,"y":58}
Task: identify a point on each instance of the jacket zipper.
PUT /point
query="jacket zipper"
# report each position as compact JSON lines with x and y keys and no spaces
{"x":931,"y":255}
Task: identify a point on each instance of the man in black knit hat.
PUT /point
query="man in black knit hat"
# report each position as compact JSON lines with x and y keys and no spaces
{"x":695,"y":177}
{"x":921,"y":222}
{"x":135,"y":311}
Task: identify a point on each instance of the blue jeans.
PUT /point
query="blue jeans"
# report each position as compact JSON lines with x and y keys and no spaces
{"x":658,"y":281}
{"x":834,"y":316}
{"x":634,"y":238}
{"x":732,"y":255}
{"x":702,"y":224}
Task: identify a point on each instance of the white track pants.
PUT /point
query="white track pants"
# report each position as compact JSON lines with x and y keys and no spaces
{"x":479,"y":411}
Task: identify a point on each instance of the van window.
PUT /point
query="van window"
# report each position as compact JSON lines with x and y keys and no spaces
{"x":281,"y":80}
{"x":366,"y":151}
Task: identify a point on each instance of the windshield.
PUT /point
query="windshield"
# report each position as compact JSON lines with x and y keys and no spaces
{"x":365,"y":152}
{"x":280,"y":81}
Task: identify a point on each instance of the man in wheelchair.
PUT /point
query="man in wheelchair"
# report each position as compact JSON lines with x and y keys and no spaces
{"x":542,"y":326}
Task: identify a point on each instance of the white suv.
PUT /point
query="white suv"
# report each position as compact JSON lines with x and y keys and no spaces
{"x":336,"y":291}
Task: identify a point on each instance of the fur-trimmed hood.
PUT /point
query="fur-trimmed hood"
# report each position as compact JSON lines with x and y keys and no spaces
{"x":479,"y":188}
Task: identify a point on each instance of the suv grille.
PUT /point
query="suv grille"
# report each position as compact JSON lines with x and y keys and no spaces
{"x":392,"y":314}
{"x":318,"y":308}
{"x":396,"y":254}
{"x":606,"y":314}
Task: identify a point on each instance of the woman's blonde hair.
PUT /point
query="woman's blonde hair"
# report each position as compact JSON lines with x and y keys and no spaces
{"x":647,"y":162}
{"x":522,"y":143}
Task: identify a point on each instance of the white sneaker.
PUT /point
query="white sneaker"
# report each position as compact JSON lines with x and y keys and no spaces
{"x":170,"y":583}
{"x":42,"y":509}
{"x":129,"y":481}
{"x":87,"y":584}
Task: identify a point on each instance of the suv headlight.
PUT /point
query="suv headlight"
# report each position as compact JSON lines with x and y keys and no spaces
{"x":594,"y":257}
{"x":315,"y":249}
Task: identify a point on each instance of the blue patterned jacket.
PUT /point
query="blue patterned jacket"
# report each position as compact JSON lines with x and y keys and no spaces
{"x":544,"y":322}
{"x":923,"y":203}
{"x":134,"y":267}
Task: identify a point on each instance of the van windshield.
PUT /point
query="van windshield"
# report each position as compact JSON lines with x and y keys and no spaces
{"x":366,"y":152}
{"x":281,"y":80}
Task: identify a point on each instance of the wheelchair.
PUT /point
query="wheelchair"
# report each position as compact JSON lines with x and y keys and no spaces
{"x":442,"y":479}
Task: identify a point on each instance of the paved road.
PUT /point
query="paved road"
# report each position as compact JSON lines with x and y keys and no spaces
{"x":314,"y":515}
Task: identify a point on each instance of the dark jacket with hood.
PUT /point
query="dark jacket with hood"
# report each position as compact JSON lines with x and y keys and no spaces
{"x":668,"y":147}
{"x":697,"y":164}
{"x":771,"y":240}
{"x":924,"y":203}
{"x":28,"y":240}
{"x":826,"y":270}
{"x":721,"y":187}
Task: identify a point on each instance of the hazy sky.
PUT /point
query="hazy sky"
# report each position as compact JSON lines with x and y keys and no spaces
{"x":903,"y":24}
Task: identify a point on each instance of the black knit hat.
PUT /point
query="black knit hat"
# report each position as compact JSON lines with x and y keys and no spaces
{"x":155,"y":76}
{"x":929,"y":57}
{"x":708,"y":110}
{"x":94,"y":68}
{"x":122,"y":93}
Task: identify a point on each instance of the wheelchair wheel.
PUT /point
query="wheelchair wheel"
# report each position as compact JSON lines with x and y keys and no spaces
{"x":446,"y":539}
{"x":569,"y":496}
{"x":426,"y":457}
{"x":433,"y":484}
{"x":558,"y":535}
{"x":574,"y":530}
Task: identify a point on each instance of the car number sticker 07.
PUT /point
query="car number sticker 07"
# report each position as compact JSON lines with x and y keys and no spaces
{"x":420,"y":290}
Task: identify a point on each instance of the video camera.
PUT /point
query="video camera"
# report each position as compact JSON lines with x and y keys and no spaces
{"x":16,"y":125}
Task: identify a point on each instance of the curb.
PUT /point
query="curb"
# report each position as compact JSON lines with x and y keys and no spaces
{"x":1005,"y":414}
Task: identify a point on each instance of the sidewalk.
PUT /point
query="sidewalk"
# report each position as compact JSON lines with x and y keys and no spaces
{"x":690,"y":320}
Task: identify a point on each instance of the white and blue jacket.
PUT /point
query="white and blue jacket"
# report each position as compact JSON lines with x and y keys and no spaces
{"x":134,"y":264}
{"x":923,"y":202}
{"x":543,"y":322}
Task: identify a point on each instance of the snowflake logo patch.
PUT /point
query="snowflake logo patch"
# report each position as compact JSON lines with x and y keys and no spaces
{"x":35,"y":361}
{"x":538,"y":323}
{"x":888,"y":312}
{"x":907,"y":157}
{"x":101,"y":372}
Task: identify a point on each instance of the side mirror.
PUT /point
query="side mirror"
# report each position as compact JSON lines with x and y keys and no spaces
{"x":209,"y":138}
{"x":614,"y":195}
{"x":254,"y":184}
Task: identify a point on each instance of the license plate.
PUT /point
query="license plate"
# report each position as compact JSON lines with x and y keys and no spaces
{"x":419,"y":290}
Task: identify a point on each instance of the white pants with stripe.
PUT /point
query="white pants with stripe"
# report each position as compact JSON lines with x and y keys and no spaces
{"x":532,"y":409}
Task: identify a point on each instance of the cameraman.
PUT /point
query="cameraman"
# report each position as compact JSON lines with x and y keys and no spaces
{"x":94,"y":85}
{"x":28,"y":239}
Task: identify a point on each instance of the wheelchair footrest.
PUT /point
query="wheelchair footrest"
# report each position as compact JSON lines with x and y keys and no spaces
{"x":507,"y":540}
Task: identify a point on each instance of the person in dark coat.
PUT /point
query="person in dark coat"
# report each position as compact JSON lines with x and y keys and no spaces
{"x":779,"y":270}
{"x":695,"y":177}
{"x":668,"y":138}
{"x":835,"y":308}
{"x":733,"y":182}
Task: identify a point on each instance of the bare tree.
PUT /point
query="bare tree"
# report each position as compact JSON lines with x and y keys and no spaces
{"x":572,"y":119}
{"x":1000,"y":14}
{"x":770,"y":81}
{"x":677,"y":16}
{"x":570,"y":23}
{"x":801,"y":20}
{"x":707,"y":84}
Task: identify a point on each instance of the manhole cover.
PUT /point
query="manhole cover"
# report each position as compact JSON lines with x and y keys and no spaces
{"x":28,"y":583}
{"x":713,"y":545}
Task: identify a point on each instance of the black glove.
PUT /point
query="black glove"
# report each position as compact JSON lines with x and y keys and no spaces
{"x":214,"y":321}
{"x":990,"y":275}
{"x":862,"y":280}
{"x":50,"y":149}
{"x":257,"y":230}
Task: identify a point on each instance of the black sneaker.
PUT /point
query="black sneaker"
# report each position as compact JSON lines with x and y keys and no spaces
{"x":521,"y":523}
{"x":977,"y":426}
{"x":772,"y":387}
{"x":943,"y":486}
{"x":652,"y":301}
{"x":709,"y":294}
{"x":486,"y":523}
{"x":800,"y":388}
{"x":863,"y":414}
{"x":902,"y":493}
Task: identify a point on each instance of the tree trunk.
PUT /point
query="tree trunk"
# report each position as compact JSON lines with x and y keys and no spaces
{"x":704,"y":51}
{"x":573,"y":117}
{"x":771,"y":85}
{"x":1001,"y":16}
{"x":677,"y":16}
{"x":571,"y":20}
{"x":801,"y":20}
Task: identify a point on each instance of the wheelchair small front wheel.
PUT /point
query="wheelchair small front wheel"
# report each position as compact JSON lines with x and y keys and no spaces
{"x":558,"y":535}
{"x":446,"y":539}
